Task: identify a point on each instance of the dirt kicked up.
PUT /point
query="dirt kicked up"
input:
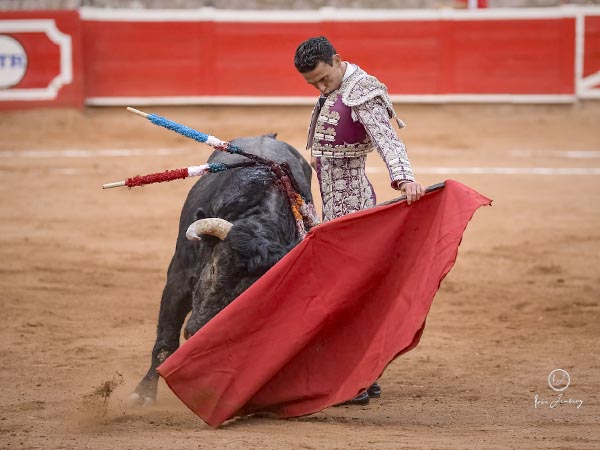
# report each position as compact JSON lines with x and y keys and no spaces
{"x":82,"y":270}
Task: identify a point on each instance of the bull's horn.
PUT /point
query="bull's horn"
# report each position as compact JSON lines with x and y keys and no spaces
{"x":213,"y":226}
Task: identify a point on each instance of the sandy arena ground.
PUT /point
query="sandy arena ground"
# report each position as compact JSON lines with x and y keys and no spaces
{"x":82,"y":270}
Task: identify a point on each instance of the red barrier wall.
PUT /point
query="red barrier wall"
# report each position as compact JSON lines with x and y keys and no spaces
{"x":256,"y":59}
{"x":117,"y":57}
{"x":146,"y":58}
{"x":591,"y":61}
{"x":465,"y":56}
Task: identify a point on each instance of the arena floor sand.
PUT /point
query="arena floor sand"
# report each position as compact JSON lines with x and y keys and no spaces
{"x":82,"y":270}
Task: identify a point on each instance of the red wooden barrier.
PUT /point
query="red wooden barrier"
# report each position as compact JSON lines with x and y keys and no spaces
{"x":199,"y":56}
{"x":591,"y":58}
{"x":591,"y":61}
{"x":465,"y":56}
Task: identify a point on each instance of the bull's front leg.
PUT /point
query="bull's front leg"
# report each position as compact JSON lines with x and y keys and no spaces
{"x":175,"y":304}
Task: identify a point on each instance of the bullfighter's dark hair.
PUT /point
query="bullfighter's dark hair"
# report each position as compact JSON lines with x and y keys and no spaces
{"x":311,"y":52}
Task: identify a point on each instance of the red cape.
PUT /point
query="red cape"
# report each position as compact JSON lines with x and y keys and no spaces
{"x":323,"y":323}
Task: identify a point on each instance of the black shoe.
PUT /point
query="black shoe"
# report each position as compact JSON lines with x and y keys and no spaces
{"x":374,"y":391}
{"x":360,"y":399}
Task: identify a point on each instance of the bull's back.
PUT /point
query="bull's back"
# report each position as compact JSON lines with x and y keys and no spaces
{"x":237,"y":193}
{"x":268,"y":147}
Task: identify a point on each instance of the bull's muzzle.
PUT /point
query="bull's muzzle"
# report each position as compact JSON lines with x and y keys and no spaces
{"x":213,"y":226}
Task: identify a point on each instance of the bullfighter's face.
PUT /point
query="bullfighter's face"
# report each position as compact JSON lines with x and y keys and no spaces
{"x":327,"y":78}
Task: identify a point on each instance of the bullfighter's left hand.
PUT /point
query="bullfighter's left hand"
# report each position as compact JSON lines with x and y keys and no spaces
{"x":413,"y":190}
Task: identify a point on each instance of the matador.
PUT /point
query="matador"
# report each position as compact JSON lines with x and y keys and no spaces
{"x":350,"y":119}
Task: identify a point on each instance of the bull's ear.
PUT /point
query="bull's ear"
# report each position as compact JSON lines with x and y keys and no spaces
{"x":266,"y":254}
{"x":271,"y":135}
{"x":257,"y":253}
{"x":200,"y":214}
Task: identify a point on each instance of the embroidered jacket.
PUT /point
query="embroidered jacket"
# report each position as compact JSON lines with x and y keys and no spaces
{"x":355,"y":119}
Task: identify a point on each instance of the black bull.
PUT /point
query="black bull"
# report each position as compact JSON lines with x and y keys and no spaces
{"x":205,"y":276}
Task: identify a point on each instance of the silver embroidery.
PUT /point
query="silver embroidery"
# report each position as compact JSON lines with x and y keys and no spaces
{"x":356,"y":91}
{"x":344,"y":186}
{"x":325,"y":133}
{"x":364,"y":88}
{"x":373,"y":115}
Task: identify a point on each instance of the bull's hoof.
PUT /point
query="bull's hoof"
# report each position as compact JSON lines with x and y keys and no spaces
{"x":136,"y":400}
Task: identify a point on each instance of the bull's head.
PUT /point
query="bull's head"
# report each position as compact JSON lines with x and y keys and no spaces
{"x":243,"y":252}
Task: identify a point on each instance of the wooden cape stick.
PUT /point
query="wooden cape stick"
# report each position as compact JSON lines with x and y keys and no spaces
{"x":432,"y":188}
